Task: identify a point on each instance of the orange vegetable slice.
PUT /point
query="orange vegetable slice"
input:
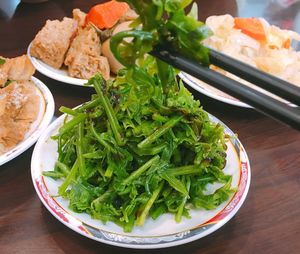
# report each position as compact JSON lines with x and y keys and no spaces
{"x":252,"y":27}
{"x":106,"y":15}
{"x":287,"y":43}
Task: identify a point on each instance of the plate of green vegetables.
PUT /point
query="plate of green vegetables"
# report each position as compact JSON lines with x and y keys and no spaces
{"x":142,"y":165}
{"x":139,"y":168}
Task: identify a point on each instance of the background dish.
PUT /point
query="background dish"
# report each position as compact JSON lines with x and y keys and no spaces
{"x":46,"y":113}
{"x":210,"y":91}
{"x":56,"y":74}
{"x":164,"y":232}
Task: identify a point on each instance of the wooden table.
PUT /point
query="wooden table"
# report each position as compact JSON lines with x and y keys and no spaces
{"x":268,"y":222}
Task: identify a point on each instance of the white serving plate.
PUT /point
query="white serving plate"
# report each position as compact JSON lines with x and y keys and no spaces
{"x":44,"y":118}
{"x":161,"y":233}
{"x":210,"y":91}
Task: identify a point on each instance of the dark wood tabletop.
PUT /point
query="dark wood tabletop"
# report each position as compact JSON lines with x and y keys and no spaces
{"x":268,"y":221}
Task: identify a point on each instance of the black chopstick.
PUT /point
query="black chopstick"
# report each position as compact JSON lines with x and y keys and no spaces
{"x":262,"y":102}
{"x":264,"y":80}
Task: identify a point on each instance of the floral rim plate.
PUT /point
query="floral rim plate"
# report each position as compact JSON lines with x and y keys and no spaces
{"x":44,"y":118}
{"x":161,"y":233}
{"x":56,"y":74}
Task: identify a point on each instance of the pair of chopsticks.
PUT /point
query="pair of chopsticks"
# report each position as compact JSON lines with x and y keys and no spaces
{"x":260,"y":101}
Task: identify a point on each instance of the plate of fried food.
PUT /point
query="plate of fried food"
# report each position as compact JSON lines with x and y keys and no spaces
{"x":26,"y":107}
{"x":75,"y":49}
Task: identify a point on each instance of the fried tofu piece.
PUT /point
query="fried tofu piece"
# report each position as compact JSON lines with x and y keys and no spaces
{"x":19,"y":107}
{"x":17,"y":69}
{"x":92,"y":65}
{"x":86,"y":42}
{"x":21,"y":68}
{"x":52,"y":42}
{"x":79,"y":16}
{"x":84,"y":58}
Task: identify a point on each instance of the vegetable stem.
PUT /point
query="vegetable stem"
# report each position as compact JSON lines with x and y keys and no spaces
{"x":175,"y":183}
{"x":182,"y":205}
{"x":108,"y":109}
{"x":160,"y":131}
{"x":63,"y":167}
{"x":89,"y":105}
{"x":141,"y":219}
{"x":101,"y":140}
{"x":68,"y":111}
{"x":79,"y":149}
{"x":71,"y":176}
{"x":69,"y":125}
{"x":184,"y":170}
{"x":140,"y":170}
{"x":101,"y":199}
{"x":53,"y":174}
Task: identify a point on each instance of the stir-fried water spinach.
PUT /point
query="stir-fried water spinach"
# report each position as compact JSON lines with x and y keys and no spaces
{"x":142,"y":146}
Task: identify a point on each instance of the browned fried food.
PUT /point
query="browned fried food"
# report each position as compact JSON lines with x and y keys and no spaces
{"x":84,"y":58}
{"x":18,"y":69}
{"x":19,"y":106}
{"x":52,"y":42}
{"x":79,"y":16}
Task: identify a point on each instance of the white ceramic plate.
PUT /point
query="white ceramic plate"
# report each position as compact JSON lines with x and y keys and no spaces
{"x":219,"y":95}
{"x":56,"y":74}
{"x":210,"y":91}
{"x":43,"y":120}
{"x":163,"y":232}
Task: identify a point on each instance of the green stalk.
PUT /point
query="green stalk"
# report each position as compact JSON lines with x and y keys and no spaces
{"x":108,"y":172}
{"x":175,"y":183}
{"x":79,"y":150}
{"x":69,"y":125}
{"x":71,"y":176}
{"x":140,"y":170}
{"x":63,"y":167}
{"x":100,"y":199}
{"x":68,"y":151}
{"x":101,"y":140}
{"x":88,"y":105}
{"x":53,"y":174}
{"x":68,"y":111}
{"x":160,"y":131}
{"x":182,"y":205}
{"x":166,"y":75}
{"x":149,"y":150}
{"x":142,"y":217}
{"x":184,"y":170}
{"x":109,"y":112}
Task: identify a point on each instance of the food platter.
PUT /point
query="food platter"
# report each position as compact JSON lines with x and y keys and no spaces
{"x":56,"y":74}
{"x":161,"y":233}
{"x":45,"y":115}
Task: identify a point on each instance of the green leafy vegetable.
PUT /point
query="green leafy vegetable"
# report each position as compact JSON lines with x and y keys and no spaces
{"x":164,"y":24}
{"x":142,"y":146}
{"x":2,"y":61}
{"x":170,"y":151}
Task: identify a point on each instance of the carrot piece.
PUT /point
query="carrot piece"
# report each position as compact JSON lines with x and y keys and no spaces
{"x":106,"y":15}
{"x":287,"y":44}
{"x":252,"y":27}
